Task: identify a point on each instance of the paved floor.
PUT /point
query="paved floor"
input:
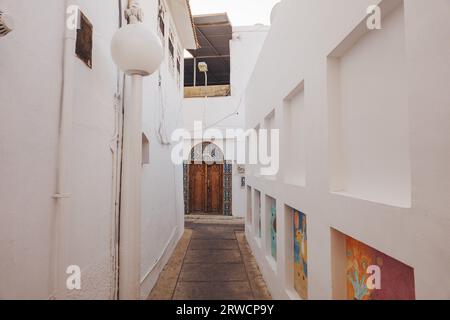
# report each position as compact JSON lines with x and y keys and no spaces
{"x":211,"y":262}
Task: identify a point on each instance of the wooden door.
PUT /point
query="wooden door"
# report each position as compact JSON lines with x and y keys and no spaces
{"x":206,"y":188}
{"x":214,"y":188}
{"x":197,"y":188}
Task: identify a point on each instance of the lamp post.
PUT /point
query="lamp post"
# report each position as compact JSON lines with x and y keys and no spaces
{"x":203,"y":67}
{"x":138,"y":52}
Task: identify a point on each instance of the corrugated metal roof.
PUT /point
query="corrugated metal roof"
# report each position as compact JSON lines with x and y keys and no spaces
{"x":214,"y":32}
{"x":192,"y":23}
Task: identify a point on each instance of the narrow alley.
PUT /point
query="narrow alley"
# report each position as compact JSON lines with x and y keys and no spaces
{"x":225,"y":150}
{"x":212,"y":261}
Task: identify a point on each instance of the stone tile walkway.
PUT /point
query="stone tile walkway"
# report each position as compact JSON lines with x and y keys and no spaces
{"x":211,"y":262}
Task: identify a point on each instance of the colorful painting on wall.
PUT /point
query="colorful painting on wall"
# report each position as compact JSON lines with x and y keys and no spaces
{"x":396,"y":278}
{"x":273,"y":228}
{"x":300,"y":254}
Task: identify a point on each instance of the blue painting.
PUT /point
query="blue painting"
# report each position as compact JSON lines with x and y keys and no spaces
{"x":273,"y":229}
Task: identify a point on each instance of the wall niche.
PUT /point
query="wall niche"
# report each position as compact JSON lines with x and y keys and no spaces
{"x":368,"y":113}
{"x":355,"y":266}
{"x":296,"y":128}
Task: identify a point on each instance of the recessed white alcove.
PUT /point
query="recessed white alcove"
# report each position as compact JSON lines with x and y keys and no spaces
{"x":249,"y":205}
{"x":145,"y":149}
{"x":295,"y":126}
{"x":257,"y":215}
{"x":269,"y":125}
{"x":253,"y":144}
{"x":368,"y":113}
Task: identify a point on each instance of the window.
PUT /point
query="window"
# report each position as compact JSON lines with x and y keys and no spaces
{"x":180,"y":83}
{"x":171,"y":53}
{"x":83,"y":48}
{"x":171,"y":48}
{"x":161,"y":23}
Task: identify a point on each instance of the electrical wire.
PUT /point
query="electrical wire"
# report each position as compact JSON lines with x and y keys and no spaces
{"x":234,"y":113}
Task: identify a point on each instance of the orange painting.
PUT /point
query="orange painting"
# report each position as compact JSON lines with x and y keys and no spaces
{"x":300,"y":254}
{"x":397,"y":278}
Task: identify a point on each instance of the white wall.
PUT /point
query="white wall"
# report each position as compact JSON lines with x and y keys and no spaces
{"x":30,"y":104}
{"x":376,"y":137}
{"x":29,"y":110}
{"x":223,"y":113}
{"x":162,"y":222}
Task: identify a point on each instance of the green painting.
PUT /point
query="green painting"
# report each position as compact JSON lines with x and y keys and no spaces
{"x":273,"y":228}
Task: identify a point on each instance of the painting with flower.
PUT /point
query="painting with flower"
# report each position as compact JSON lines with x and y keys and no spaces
{"x":300,"y":254}
{"x":396,"y":278}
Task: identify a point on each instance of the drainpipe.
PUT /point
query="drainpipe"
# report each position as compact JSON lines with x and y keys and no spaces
{"x":62,"y":195}
{"x":138,"y":52}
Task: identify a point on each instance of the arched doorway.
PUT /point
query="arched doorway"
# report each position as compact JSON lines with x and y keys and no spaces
{"x":207,"y":181}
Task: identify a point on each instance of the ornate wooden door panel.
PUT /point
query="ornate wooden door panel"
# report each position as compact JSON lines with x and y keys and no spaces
{"x":214,"y":188}
{"x":206,"y":188}
{"x":197,"y":188}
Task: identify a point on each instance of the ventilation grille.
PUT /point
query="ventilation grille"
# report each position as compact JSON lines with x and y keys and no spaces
{"x":4,"y":28}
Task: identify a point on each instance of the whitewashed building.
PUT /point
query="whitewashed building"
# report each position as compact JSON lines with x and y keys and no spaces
{"x":358,"y":89}
{"x":218,"y":105}
{"x":48,"y":223}
{"x":364,"y":177}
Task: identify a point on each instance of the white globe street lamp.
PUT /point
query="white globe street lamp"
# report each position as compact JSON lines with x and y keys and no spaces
{"x":138,"y":52}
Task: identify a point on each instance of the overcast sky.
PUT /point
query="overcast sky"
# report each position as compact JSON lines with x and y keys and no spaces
{"x":240,"y":12}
